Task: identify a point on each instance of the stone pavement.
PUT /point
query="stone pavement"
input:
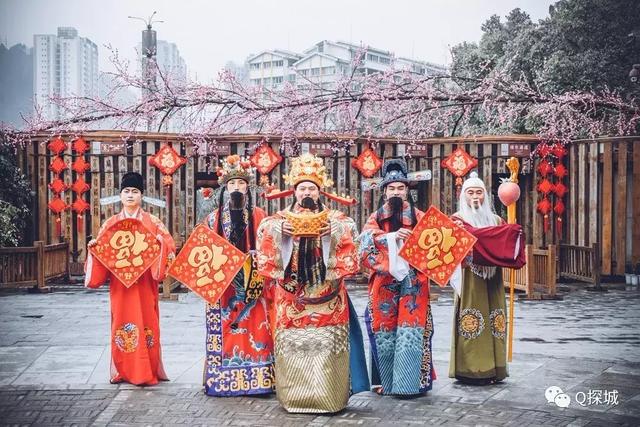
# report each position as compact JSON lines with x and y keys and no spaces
{"x":54,"y":368}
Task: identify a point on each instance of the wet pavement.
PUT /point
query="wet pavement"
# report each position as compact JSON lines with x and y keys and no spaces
{"x":54,"y":368}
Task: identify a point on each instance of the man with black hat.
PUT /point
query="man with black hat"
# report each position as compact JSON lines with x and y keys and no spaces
{"x":239,"y":348}
{"x":135,"y":321}
{"x":398,"y":315}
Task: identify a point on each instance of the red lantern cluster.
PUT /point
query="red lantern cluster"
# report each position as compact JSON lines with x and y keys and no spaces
{"x":551,"y":185}
{"x":560,"y":172}
{"x":57,"y":185}
{"x":80,"y":166}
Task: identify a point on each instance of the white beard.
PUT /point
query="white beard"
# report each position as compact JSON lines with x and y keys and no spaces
{"x":478,"y":217}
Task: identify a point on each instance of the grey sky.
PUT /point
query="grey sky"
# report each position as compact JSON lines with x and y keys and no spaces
{"x":210,"y":33}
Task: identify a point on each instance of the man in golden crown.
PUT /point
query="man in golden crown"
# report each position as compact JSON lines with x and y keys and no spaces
{"x":308,"y":250}
{"x":239,"y":355}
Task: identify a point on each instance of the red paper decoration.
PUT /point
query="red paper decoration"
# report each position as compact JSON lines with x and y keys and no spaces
{"x":545,"y":186}
{"x":559,"y":151}
{"x":57,"y":186}
{"x":80,"y":146}
{"x":544,"y":168}
{"x":168,"y":161}
{"x":367,"y":163}
{"x":265,"y":159}
{"x":80,"y":186}
{"x":551,"y":164}
{"x":57,"y":206}
{"x":560,"y":171}
{"x":57,"y":145}
{"x":543,"y":150}
{"x":79,"y":206}
{"x":560,"y":189}
{"x":544,"y":207}
{"x":80,"y":166}
{"x":459,"y":163}
{"x":58,"y":165}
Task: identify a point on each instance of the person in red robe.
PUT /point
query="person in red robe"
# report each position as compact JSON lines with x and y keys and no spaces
{"x":239,"y":347}
{"x":398,"y":314}
{"x":136,"y":356}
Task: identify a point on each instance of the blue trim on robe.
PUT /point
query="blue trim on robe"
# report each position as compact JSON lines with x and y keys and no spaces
{"x":357,"y":361}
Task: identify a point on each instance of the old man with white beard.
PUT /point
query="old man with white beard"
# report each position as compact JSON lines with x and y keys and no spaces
{"x":478,"y":345}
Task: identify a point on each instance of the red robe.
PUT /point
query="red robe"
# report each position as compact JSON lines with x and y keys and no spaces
{"x":136,"y":356}
{"x":398,"y":314}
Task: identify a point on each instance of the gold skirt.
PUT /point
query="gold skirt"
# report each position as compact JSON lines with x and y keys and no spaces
{"x":312,"y":368}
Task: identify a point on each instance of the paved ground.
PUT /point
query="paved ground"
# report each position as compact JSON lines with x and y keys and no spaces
{"x":54,"y":360}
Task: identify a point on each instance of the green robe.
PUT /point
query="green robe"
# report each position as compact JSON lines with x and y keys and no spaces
{"x":478,"y":345}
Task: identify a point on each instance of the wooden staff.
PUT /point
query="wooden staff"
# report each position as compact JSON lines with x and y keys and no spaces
{"x":514,"y":167}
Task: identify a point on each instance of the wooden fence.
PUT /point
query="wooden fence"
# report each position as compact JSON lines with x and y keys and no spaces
{"x":579,"y":263}
{"x":538,"y":277}
{"x":600,"y":204}
{"x":33,"y":266}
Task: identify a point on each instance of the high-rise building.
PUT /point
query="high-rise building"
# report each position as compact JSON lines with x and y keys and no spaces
{"x":64,"y":65}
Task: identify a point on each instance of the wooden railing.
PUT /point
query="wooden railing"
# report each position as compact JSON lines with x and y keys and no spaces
{"x":538,"y":277}
{"x":32,"y":266}
{"x":580,"y":263}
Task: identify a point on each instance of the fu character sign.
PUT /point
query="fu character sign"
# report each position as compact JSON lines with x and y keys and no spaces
{"x":127,"y":249}
{"x":207,"y":264}
{"x":437,"y":246}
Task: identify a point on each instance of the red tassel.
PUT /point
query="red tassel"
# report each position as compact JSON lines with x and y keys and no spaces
{"x":79,"y":221}
{"x":559,"y":227}
{"x":59,"y":225}
{"x":546,"y":223}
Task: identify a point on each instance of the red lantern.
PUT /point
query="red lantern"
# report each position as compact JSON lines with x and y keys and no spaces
{"x":57,"y":186}
{"x":367,"y":163}
{"x":544,"y":207}
{"x":57,"y":165}
{"x":57,"y":145}
{"x":80,"y":146}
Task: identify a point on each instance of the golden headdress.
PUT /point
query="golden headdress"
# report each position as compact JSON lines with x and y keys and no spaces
{"x":308,"y":167}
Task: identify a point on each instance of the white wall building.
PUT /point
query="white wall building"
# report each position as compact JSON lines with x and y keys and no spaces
{"x":325,"y":62}
{"x":64,"y":65}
